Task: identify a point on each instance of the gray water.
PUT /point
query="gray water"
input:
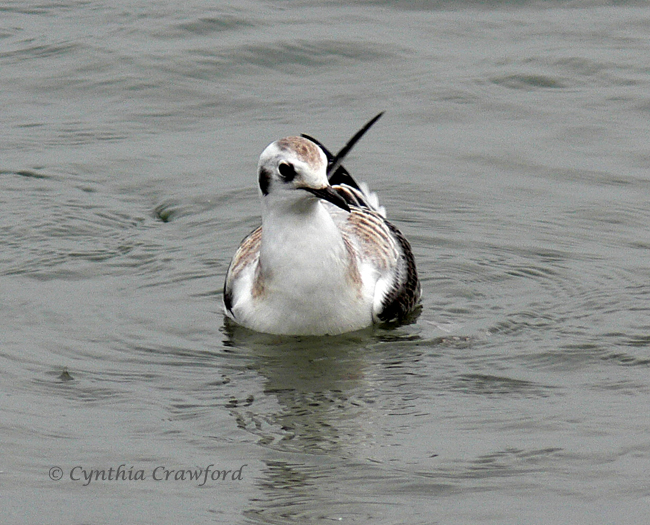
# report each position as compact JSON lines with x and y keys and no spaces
{"x":514,"y":155}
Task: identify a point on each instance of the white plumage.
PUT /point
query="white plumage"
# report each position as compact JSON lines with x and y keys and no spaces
{"x":325,"y":260}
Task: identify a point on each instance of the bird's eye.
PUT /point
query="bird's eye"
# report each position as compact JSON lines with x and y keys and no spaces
{"x":287,"y":171}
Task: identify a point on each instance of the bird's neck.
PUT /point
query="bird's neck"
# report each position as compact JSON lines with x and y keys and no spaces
{"x":300,"y":243}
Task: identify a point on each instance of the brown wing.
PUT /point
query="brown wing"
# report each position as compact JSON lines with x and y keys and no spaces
{"x":248,"y":253}
{"x":378,"y":241}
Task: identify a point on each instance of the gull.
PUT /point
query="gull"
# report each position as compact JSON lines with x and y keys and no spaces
{"x":325,"y":260}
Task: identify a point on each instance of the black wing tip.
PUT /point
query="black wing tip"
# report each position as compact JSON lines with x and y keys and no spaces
{"x":336,"y":173}
{"x":403,"y":302}
{"x":338,"y":158}
{"x":375,"y":118}
{"x":227,"y":299}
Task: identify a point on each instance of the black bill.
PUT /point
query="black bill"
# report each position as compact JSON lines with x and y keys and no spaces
{"x":328,"y":194}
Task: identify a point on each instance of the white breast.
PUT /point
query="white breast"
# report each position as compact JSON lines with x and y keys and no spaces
{"x":306,"y":281}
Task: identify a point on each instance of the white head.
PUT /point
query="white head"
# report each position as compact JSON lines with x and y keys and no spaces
{"x":293,"y":170}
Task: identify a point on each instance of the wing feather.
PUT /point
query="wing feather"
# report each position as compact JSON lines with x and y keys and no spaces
{"x":246,"y":255}
{"x":380,"y":244}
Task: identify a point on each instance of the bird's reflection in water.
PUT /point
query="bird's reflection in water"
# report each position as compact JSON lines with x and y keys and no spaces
{"x":316,"y":416}
{"x":315,"y":388}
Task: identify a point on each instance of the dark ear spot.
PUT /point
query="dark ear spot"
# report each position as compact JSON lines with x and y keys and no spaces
{"x":264,"y":179}
{"x":287,"y":171}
